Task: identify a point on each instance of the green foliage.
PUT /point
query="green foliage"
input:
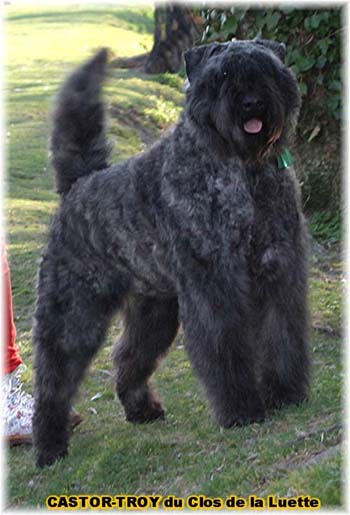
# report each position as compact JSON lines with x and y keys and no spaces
{"x":326,"y":226}
{"x":312,"y":37}
{"x":170,"y":79}
{"x":162,"y":112}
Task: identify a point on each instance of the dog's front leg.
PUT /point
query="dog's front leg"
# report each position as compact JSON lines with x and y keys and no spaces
{"x":218,"y":340}
{"x":282,"y":331}
{"x":281,"y":277}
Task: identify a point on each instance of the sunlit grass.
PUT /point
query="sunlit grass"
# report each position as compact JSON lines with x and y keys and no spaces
{"x":55,"y":35}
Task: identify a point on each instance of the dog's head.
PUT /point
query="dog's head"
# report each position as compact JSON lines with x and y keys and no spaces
{"x":241,"y":97}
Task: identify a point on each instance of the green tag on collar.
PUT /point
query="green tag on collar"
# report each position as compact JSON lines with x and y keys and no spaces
{"x":285,"y":159}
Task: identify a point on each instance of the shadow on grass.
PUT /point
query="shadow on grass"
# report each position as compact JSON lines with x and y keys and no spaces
{"x":31,"y":97}
{"x":28,"y":236}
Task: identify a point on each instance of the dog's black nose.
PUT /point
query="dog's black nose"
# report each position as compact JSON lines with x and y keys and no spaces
{"x":252,"y":103}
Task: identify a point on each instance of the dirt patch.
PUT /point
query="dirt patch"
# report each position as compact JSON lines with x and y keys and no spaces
{"x":132,"y":119}
{"x":136,"y":63}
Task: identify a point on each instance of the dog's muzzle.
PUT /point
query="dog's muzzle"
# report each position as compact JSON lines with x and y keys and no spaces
{"x":253,"y":108}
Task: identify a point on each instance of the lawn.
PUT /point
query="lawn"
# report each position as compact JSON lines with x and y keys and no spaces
{"x":296,"y":451}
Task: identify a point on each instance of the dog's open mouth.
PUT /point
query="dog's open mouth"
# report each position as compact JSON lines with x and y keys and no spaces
{"x":253,"y":126}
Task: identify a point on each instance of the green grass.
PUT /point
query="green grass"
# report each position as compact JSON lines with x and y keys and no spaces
{"x":187,"y":453}
{"x":327,"y":225}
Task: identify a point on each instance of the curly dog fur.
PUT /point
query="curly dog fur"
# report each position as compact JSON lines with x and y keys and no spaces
{"x":202,"y":228}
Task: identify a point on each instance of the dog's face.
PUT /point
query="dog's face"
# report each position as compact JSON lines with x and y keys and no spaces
{"x":242,"y":97}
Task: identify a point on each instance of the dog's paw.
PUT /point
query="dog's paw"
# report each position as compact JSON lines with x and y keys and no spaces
{"x":146,"y":414}
{"x":47,"y":458}
{"x":277,"y":394}
{"x":241,"y":418}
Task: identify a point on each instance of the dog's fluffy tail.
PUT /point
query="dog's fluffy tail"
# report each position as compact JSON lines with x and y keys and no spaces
{"x":79,"y":144}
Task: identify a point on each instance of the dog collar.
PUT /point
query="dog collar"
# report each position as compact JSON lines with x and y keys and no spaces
{"x":285,"y":159}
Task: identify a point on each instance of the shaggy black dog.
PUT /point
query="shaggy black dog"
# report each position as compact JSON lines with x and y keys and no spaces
{"x":204,"y":228}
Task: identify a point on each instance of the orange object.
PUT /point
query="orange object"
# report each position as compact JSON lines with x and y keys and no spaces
{"x":12,"y":358}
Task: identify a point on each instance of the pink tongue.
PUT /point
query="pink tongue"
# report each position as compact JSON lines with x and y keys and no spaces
{"x":253,"y":126}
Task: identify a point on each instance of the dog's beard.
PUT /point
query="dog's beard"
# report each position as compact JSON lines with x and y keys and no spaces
{"x":251,"y":137}
{"x":230,"y":132}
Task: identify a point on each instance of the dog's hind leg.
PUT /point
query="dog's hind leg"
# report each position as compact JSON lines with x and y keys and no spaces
{"x":71,"y":320}
{"x":150,"y":327}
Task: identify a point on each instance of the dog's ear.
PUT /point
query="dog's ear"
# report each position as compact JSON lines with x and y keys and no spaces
{"x":278,"y":49}
{"x":193,"y":59}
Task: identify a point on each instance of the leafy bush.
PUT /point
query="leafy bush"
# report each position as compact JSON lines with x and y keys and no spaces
{"x":312,"y":37}
{"x":326,"y":226}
